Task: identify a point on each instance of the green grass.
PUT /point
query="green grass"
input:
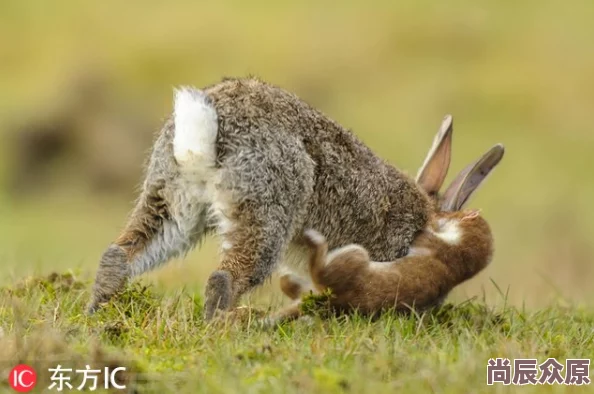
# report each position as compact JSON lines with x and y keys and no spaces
{"x":161,"y":338}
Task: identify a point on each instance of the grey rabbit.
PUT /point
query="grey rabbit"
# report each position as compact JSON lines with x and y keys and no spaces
{"x":257,"y":165}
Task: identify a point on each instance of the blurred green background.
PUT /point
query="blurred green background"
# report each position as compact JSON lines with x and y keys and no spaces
{"x":84,"y":85}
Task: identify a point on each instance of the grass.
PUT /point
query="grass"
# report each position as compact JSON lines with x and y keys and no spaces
{"x":161,"y":338}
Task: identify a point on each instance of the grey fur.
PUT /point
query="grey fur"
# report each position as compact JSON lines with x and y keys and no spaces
{"x":281,"y":166}
{"x":111,"y":277}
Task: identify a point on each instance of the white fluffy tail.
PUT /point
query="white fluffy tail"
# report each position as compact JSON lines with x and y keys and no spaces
{"x":196,"y":127}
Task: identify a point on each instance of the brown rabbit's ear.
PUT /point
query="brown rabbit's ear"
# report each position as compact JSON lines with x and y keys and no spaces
{"x":469,"y":179}
{"x":435,"y":168}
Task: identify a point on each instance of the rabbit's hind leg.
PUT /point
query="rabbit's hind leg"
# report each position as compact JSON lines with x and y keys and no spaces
{"x":259,"y":201}
{"x":169,"y":219}
{"x":252,"y":246}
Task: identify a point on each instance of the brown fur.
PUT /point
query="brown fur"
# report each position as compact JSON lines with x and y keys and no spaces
{"x":434,"y":265}
{"x":410,"y":281}
{"x":415,"y":281}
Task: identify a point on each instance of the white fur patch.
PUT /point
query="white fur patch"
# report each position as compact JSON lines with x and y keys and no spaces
{"x":345,"y":249}
{"x":448,"y":231}
{"x":196,"y":128}
{"x":315,"y":237}
{"x":285,"y":269}
{"x":381,"y":266}
{"x":226,"y":245}
{"x":220,"y":210}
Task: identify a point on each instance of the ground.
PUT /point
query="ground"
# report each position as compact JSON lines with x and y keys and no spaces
{"x":162,"y":340}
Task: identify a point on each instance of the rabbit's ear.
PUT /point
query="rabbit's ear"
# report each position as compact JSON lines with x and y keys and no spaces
{"x":435,"y":168}
{"x":468,"y":180}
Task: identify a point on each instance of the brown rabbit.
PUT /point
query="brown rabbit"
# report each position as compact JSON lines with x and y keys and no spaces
{"x":455,"y":246}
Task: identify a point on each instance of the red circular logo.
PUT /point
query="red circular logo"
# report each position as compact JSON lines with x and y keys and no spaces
{"x":22,"y":378}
